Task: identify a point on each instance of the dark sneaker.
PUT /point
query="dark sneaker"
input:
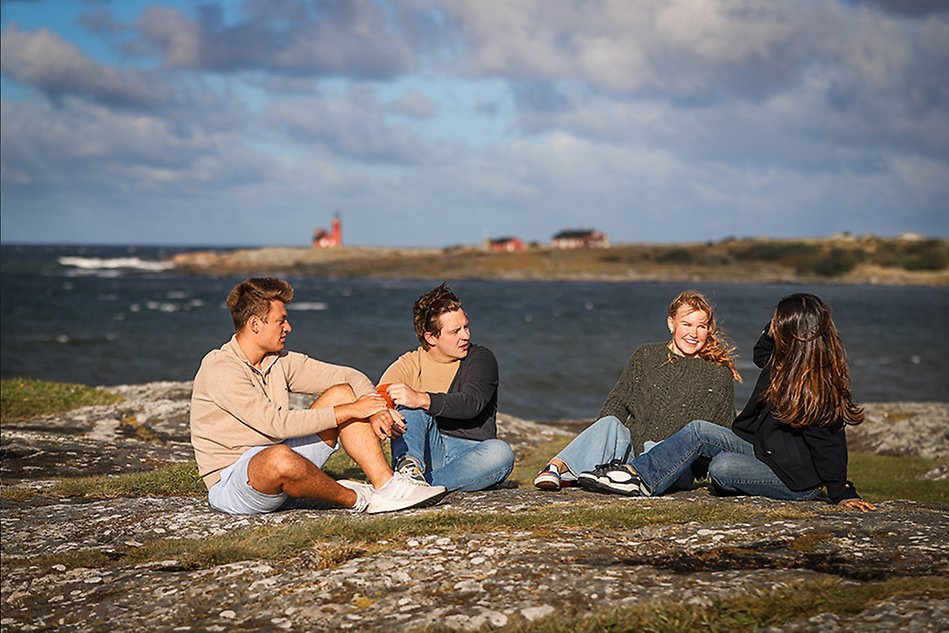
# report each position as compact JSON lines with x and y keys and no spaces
{"x":615,"y":477}
{"x":412,"y":470}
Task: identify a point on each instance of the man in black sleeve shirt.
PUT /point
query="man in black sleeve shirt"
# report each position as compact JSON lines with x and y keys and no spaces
{"x":447,"y":389}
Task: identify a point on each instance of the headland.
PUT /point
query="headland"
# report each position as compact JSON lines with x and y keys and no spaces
{"x":842,"y":259}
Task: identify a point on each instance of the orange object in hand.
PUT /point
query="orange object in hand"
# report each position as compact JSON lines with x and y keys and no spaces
{"x":382,"y":392}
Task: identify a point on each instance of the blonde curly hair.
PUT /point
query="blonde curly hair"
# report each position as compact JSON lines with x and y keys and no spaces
{"x":716,"y":349}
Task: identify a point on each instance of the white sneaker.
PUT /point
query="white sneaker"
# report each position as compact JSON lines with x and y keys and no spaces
{"x":363,"y":493}
{"x":400,"y":493}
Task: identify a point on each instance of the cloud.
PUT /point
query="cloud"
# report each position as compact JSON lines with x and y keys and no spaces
{"x":42,"y":60}
{"x":350,"y":124}
{"x":439,"y":123}
{"x":324,"y":38}
{"x":914,"y":8}
{"x":82,"y":147}
{"x":693,"y":54}
{"x":414,"y":104}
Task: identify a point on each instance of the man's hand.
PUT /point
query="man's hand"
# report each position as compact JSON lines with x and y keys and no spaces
{"x":360,"y":409}
{"x":407,"y":397}
{"x":387,"y":423}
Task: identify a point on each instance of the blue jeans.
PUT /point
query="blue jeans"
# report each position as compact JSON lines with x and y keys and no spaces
{"x":453,"y":462}
{"x":602,"y":442}
{"x":733,"y":468}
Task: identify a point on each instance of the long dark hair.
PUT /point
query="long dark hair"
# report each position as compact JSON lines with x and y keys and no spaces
{"x":810,"y":382}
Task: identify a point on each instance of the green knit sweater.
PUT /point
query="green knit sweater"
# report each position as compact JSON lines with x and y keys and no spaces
{"x":655,"y":397}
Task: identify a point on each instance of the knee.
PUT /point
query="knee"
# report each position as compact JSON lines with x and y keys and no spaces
{"x":337,"y":394}
{"x":721,"y":470}
{"x":500,"y":454}
{"x":609,"y":428}
{"x":702,"y":428}
{"x":283,"y":463}
{"x":609,"y":422}
{"x":696,"y":425}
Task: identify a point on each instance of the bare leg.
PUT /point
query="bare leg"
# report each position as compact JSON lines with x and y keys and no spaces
{"x":280,"y":469}
{"x":364,"y":447}
{"x":559,"y":464}
{"x":357,"y":438}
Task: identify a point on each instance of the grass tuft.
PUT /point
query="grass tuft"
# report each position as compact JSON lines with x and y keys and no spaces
{"x":342,"y":538}
{"x":881,"y":477}
{"x":22,"y":398}
{"x":797,"y":601}
{"x":173,"y":480}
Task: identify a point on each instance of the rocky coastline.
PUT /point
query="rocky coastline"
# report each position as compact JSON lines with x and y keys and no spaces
{"x":463,"y":579}
{"x":761,"y":260}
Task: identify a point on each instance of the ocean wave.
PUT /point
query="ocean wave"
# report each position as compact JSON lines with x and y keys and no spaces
{"x":304,"y":306}
{"x":114,"y":263}
{"x":166,"y":306}
{"x":66,"y":339}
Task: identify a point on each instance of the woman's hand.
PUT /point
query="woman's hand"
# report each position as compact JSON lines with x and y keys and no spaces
{"x":407,"y":397}
{"x":859,"y":504}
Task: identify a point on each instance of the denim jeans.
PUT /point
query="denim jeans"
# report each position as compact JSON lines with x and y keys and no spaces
{"x":733,"y":468}
{"x":602,"y":442}
{"x":453,"y":462}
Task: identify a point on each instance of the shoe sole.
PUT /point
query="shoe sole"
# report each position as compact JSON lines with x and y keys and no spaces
{"x":548,"y":485}
{"x":589,"y":483}
{"x":422,"y":503}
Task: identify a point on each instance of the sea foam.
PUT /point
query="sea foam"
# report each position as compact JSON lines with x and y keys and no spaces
{"x":100,"y":263}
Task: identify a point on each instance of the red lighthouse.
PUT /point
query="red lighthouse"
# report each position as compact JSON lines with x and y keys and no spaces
{"x":329,"y":239}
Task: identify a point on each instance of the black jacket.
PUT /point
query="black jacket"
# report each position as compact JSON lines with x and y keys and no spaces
{"x":470,"y":407}
{"x":803,"y":457}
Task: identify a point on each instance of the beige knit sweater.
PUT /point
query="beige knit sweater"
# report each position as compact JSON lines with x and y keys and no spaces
{"x":235,"y":406}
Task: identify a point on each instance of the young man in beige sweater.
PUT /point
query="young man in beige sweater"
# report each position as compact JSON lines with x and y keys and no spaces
{"x":254,"y":452}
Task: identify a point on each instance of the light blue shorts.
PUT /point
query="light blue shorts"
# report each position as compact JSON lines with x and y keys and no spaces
{"x":234,"y":494}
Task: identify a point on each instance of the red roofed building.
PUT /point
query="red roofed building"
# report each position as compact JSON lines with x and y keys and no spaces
{"x":579,"y":238}
{"x":504,"y":244}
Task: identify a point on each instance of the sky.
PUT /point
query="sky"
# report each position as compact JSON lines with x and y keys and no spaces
{"x":433,"y":124}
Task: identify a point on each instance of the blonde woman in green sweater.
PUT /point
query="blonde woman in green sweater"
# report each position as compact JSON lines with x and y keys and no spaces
{"x":664,"y":387}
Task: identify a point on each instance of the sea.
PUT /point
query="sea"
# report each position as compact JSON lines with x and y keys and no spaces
{"x":109,"y":315}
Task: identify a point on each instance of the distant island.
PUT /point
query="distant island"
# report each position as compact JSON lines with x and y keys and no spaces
{"x":842,"y":258}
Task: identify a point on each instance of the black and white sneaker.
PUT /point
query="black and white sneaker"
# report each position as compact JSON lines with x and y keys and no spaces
{"x":615,"y":477}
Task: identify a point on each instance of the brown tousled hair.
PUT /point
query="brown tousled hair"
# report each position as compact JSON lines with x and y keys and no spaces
{"x":429,"y":308}
{"x":716,"y":349}
{"x":252,"y":297}
{"x":810,"y":382}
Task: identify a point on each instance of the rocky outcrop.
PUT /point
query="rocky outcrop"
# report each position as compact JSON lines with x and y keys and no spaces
{"x":467,"y":579}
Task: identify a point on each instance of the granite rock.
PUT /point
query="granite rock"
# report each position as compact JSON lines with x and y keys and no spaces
{"x":465,"y":580}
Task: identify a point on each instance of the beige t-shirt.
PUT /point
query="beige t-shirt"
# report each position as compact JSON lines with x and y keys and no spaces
{"x":417,"y":370}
